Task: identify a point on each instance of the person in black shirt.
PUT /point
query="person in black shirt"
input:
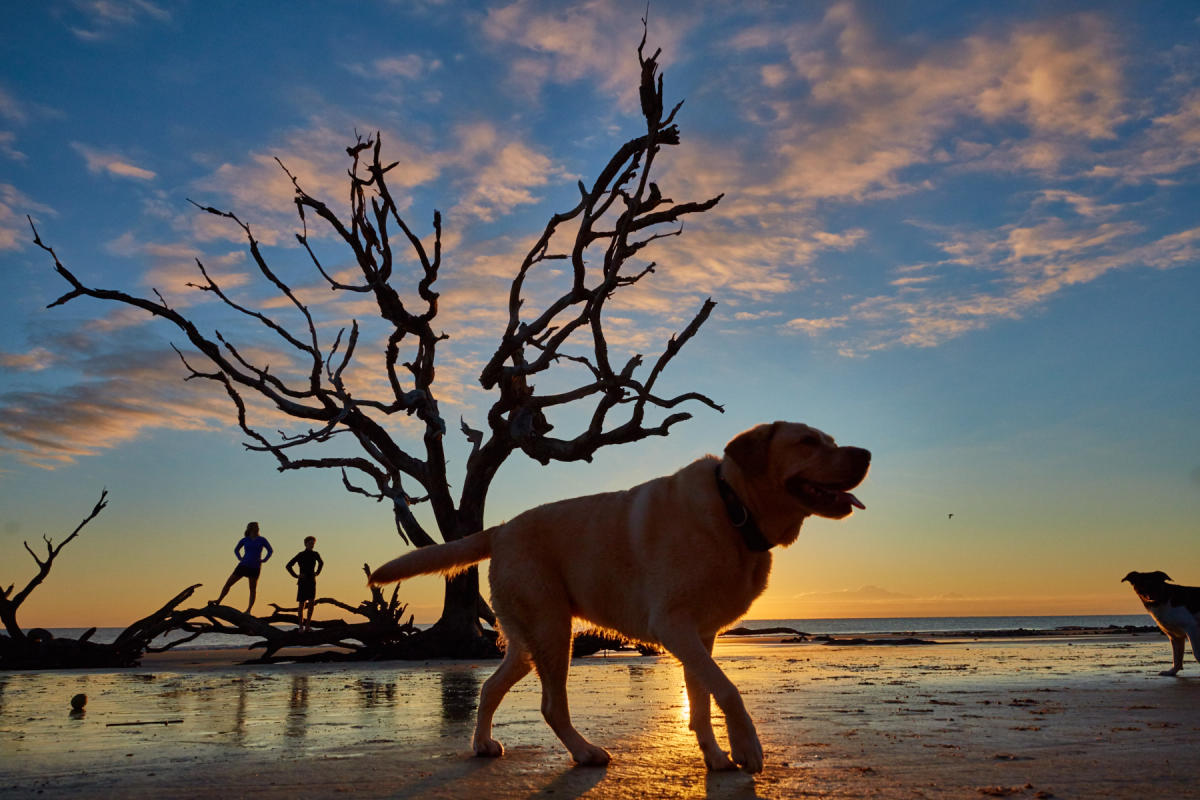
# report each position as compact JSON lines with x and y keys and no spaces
{"x":309,"y":563}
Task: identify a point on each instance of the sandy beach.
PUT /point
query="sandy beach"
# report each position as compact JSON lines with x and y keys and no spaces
{"x":1068,"y":716}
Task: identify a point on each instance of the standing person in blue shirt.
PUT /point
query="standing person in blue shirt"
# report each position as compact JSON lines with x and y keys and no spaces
{"x":309,"y":563}
{"x":250,"y":554}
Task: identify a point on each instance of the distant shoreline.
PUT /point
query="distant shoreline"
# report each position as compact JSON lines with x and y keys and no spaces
{"x":796,"y":636}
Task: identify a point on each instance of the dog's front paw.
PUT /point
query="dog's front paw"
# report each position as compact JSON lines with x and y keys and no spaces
{"x":588,"y":755}
{"x":1170,"y":673}
{"x":487,"y":748}
{"x":745,"y":748}
{"x":716,"y":759}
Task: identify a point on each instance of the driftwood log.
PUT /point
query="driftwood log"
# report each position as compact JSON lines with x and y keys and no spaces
{"x":380,"y":634}
{"x":39,"y":649}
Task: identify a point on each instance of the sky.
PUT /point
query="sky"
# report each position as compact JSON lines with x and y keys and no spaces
{"x":964,"y":235}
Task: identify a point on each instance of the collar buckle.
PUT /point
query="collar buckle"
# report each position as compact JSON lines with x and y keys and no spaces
{"x":740,"y":517}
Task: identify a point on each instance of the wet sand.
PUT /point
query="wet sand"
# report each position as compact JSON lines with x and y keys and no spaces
{"x":1052,"y":716}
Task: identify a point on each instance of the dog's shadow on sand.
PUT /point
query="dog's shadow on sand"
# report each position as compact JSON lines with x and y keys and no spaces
{"x":733,"y":785}
{"x":576,"y":782}
{"x":573,"y":782}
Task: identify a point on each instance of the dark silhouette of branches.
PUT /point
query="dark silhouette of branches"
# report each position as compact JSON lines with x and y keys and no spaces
{"x":600,"y":240}
{"x":10,"y":602}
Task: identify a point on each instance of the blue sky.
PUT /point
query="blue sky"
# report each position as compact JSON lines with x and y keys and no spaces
{"x":963,"y":235}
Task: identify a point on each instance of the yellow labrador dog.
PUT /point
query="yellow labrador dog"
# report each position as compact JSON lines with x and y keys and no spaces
{"x":671,"y":561}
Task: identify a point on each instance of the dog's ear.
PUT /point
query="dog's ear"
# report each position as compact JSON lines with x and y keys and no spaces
{"x":750,"y":450}
{"x":1158,"y":575}
{"x":1129,"y":577}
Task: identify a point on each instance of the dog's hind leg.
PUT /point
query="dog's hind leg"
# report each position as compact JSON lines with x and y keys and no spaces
{"x":551,"y":648}
{"x":685,"y":644}
{"x":516,"y":665}
{"x":700,"y":720}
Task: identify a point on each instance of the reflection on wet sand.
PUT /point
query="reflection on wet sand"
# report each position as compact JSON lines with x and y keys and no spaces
{"x":374,"y":693}
{"x":460,"y":694}
{"x":297,"y":718}
{"x":239,"y":713}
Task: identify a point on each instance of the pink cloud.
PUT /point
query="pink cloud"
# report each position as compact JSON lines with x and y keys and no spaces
{"x":99,"y":161}
{"x":573,"y":42}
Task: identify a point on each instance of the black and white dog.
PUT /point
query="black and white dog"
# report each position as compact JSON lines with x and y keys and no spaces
{"x":1176,"y":609}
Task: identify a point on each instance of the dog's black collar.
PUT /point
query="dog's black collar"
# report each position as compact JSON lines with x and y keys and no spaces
{"x":740,"y":517}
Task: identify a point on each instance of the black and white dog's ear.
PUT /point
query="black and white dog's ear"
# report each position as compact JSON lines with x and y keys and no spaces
{"x":1158,"y":576}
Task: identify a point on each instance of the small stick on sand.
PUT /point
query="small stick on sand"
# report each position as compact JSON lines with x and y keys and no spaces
{"x":148,"y":722}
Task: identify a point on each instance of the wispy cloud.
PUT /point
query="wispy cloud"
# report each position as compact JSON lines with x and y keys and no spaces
{"x":869,"y":592}
{"x":125,"y":390}
{"x":486,"y":173}
{"x":1023,"y":267}
{"x":171,"y":267}
{"x":7,"y":141}
{"x":33,"y":360}
{"x":564,"y":44}
{"x":501,"y":172}
{"x":100,"y":19}
{"x":876,"y":109}
{"x":746,"y":316}
{"x":408,"y":66}
{"x":1163,"y":153}
{"x":259,"y":191}
{"x":815,"y":325}
{"x":103,"y":162}
{"x":11,"y":108}
{"x":128,"y":383}
{"x":14,"y":205}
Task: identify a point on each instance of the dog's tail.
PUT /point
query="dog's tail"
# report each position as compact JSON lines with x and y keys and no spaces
{"x":446,"y":558}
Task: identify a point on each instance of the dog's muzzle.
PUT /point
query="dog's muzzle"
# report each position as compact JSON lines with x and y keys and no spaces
{"x":833,"y":499}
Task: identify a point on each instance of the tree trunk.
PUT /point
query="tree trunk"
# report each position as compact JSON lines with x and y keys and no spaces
{"x":8,"y":615}
{"x":459,"y":634}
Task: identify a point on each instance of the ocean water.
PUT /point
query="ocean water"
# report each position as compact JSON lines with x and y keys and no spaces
{"x":949,"y":624}
{"x":905,"y":625}
{"x":206,"y":641}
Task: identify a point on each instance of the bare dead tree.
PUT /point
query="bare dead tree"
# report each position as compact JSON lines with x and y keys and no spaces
{"x":10,"y":602}
{"x":599,"y":241}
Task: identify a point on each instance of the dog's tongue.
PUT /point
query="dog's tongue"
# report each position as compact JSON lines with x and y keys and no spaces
{"x":854,"y":501}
